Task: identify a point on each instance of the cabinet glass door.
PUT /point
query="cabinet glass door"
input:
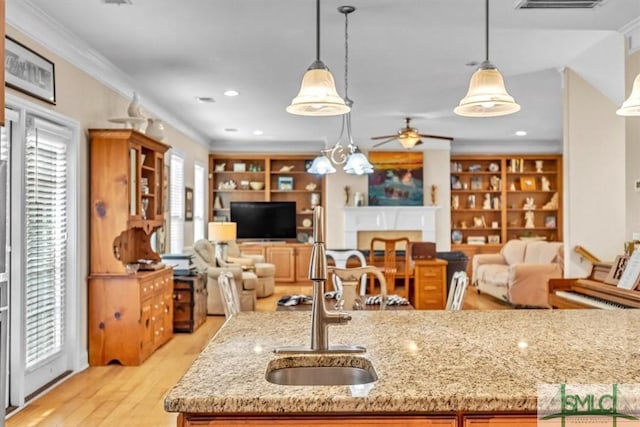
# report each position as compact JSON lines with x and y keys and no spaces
{"x":133,"y":179}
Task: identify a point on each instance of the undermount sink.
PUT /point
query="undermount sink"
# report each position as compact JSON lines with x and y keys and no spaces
{"x":314,"y":371}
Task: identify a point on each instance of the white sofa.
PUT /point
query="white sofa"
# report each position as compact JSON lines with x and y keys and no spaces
{"x":519,"y":274}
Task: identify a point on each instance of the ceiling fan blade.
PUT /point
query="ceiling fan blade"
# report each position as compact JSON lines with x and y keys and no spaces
{"x":384,"y":142}
{"x":448,"y":138}
{"x":384,"y":137}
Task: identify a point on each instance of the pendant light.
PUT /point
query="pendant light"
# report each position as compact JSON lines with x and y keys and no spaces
{"x":356,"y":162}
{"x":487,"y":96}
{"x":318,"y":95}
{"x":631,"y":107}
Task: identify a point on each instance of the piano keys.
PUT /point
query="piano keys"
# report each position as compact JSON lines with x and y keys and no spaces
{"x":588,"y":293}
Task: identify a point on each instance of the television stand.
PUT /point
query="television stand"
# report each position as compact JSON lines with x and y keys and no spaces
{"x":290,"y":259}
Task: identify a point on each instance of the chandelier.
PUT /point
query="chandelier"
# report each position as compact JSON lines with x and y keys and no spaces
{"x":356,"y":162}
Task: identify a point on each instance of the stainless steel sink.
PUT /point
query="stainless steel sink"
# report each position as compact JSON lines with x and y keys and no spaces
{"x":310,"y":371}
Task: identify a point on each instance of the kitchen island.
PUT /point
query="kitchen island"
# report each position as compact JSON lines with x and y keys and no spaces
{"x":433,"y":367}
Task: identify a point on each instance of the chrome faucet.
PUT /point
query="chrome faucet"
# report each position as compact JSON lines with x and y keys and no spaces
{"x":321,"y":318}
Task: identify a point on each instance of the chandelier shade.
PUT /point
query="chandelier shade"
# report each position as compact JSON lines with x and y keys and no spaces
{"x":487,"y":96}
{"x":321,"y":165}
{"x":318,"y":95}
{"x":358,"y":164}
{"x":631,"y":107}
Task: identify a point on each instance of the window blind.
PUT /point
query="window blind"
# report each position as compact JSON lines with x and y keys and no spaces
{"x":198,"y":202}
{"x":45,"y":239}
{"x":176,"y":204}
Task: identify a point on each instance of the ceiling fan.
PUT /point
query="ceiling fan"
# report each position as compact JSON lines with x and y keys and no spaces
{"x":407,"y":136}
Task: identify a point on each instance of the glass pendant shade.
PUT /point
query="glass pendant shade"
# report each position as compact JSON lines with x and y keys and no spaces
{"x":409,"y":139}
{"x":318,"y":95}
{"x":487,"y":96}
{"x":321,"y":166}
{"x":357,"y":164}
{"x":631,"y":107}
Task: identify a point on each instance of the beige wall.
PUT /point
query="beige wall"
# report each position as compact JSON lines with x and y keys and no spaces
{"x":82,"y":98}
{"x":594,"y":200}
{"x":632,"y":159}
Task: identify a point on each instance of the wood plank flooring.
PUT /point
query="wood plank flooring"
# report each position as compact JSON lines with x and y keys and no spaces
{"x":133,"y":396}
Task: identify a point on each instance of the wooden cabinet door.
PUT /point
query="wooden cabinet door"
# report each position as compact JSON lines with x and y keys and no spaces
{"x":303,"y":258}
{"x":283,"y":258}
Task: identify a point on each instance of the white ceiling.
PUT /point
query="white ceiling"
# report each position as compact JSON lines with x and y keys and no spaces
{"x":407,"y":58}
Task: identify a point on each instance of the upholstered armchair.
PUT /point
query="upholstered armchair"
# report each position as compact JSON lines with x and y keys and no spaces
{"x":265,"y":272}
{"x":205,"y":261}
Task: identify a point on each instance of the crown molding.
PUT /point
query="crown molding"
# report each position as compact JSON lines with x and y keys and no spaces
{"x":31,"y":21}
{"x":507,"y":147}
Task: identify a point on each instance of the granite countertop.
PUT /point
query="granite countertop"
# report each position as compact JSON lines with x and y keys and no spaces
{"x":426,"y":361}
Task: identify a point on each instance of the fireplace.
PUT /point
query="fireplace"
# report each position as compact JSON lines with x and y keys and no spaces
{"x":420,"y":220}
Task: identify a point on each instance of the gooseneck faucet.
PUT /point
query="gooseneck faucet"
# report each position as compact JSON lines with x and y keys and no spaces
{"x":321,"y":318}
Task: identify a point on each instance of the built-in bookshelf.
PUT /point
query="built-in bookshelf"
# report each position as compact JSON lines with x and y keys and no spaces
{"x":499,"y":198}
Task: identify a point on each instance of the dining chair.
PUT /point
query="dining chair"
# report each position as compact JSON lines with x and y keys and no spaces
{"x":392,"y":267}
{"x":349,"y":278}
{"x":228,"y":294}
{"x":457,"y":291}
{"x":340,"y":259}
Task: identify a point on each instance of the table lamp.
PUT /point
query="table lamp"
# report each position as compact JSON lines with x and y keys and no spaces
{"x":220,"y":233}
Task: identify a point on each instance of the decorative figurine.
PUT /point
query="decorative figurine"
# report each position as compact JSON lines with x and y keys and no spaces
{"x":539,"y":165}
{"x":529,"y":219}
{"x":486,"y":204}
{"x":546,"y":185}
{"x":552,"y":203}
{"x":529,"y":203}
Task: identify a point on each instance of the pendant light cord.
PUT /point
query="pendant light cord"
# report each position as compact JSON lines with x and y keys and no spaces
{"x":317,"y":30}
{"x":486,"y":40}
{"x":346,"y":56}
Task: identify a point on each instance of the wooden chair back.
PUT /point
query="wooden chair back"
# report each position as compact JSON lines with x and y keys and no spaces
{"x":356,"y":274}
{"x":391,"y":267}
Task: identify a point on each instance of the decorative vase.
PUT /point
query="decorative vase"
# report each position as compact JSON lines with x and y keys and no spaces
{"x":155,"y":129}
{"x":134,"y":109}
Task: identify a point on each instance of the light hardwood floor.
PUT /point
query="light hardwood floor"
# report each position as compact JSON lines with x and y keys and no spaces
{"x":133,"y":396}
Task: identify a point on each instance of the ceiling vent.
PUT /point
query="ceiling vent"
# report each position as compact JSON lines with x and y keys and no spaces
{"x":118,"y":2}
{"x":558,"y":4}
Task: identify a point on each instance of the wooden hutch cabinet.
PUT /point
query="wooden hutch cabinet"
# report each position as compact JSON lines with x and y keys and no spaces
{"x":130,"y":314}
{"x":283,"y":178}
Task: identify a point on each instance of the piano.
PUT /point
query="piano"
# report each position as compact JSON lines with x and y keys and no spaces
{"x":590,"y":293}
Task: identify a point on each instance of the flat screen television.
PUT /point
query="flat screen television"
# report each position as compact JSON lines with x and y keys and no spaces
{"x":264,"y":220}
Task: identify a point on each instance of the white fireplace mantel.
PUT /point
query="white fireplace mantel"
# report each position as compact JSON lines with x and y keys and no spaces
{"x":389,"y":218}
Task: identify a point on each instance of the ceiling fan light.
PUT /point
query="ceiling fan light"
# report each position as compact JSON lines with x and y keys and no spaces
{"x":321,"y":165}
{"x":318,"y":95}
{"x":631,"y":107}
{"x":408,"y":142}
{"x":358,"y":164}
{"x":487,"y":96}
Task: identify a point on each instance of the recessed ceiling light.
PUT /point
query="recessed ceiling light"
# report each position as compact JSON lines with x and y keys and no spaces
{"x":257,"y":132}
{"x":521,"y":132}
{"x":205,"y":99}
{"x":230,"y":130}
{"x":231,"y":92}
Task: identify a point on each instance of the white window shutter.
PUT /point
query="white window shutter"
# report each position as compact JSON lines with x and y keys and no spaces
{"x":46,"y":239}
{"x":198,"y":202}
{"x":176,"y":204}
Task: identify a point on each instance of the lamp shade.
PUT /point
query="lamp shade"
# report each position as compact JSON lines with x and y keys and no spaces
{"x":321,"y":165}
{"x":631,"y":107}
{"x":409,"y":139}
{"x":318,"y":95}
{"x":222,"y":231}
{"x":487,"y":96}
{"x":358,"y":164}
